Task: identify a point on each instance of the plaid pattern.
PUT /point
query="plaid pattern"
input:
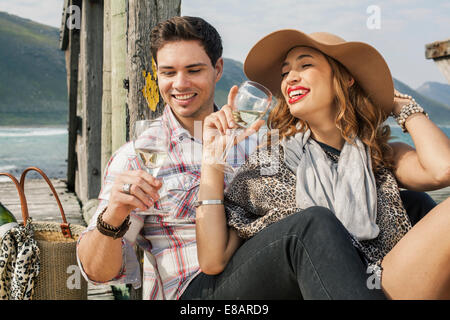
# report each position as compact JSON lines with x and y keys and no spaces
{"x":167,"y":238}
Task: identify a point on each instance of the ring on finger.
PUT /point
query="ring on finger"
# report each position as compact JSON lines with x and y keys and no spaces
{"x":126,"y":188}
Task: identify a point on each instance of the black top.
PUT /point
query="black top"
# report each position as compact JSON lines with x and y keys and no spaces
{"x":328,"y":148}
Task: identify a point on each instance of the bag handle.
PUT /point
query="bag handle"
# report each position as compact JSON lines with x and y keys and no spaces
{"x":23,"y":199}
{"x":65,"y":229}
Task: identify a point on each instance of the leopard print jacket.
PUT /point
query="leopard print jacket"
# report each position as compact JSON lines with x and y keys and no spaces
{"x":263,"y":192}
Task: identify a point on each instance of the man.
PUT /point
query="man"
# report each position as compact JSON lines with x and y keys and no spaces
{"x":188,"y":53}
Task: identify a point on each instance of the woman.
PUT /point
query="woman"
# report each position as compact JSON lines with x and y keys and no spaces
{"x":334,"y":153}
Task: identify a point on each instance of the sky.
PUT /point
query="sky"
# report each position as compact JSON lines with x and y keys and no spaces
{"x":399,"y":29}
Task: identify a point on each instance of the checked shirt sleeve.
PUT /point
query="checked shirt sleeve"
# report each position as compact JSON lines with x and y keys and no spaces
{"x":130,"y":270}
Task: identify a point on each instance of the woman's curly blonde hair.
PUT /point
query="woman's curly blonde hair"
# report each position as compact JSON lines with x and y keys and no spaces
{"x":357,"y":116}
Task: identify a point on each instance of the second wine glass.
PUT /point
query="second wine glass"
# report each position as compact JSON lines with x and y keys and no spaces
{"x":251,"y":103}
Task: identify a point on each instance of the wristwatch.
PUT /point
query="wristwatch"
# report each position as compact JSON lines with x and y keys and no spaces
{"x":109,"y":230}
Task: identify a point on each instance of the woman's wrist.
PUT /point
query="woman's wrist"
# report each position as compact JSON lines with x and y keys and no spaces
{"x":404,"y":107}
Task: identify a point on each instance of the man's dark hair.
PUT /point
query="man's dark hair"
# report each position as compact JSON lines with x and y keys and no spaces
{"x":187,"y":28}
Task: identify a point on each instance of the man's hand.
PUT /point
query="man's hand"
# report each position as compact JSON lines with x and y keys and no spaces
{"x":143,"y":194}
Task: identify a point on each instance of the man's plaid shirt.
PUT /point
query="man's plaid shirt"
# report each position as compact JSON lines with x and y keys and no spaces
{"x":167,"y":238}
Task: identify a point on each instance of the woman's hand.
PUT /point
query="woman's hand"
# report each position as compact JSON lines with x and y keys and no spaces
{"x":143,"y":193}
{"x":217,"y":125}
{"x":399,"y":103}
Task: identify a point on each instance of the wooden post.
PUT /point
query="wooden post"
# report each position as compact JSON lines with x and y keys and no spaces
{"x":118,"y":73}
{"x":80,"y":178}
{"x":106,"y":98}
{"x":91,"y":59}
{"x":70,"y":42}
{"x":143,"y":96}
{"x":439,"y":51}
{"x":64,"y":30}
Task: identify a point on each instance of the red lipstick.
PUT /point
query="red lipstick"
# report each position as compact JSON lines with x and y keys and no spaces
{"x":299,"y":96}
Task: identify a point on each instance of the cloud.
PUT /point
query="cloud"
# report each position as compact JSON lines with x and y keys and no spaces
{"x":242,"y":23}
{"x":44,"y":11}
{"x":406,"y":25}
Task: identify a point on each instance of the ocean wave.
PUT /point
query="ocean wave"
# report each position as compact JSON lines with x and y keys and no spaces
{"x":7,"y":168}
{"x":4,"y":179}
{"x":31,"y":132}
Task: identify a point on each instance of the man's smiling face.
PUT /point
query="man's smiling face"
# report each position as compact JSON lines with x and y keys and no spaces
{"x":187,"y":78}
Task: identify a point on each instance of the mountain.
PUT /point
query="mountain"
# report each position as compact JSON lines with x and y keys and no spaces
{"x":436,"y":91}
{"x":233,"y":74}
{"x":33,"y":86}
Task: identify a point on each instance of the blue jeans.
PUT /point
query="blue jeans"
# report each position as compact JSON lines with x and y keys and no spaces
{"x":307,"y":255}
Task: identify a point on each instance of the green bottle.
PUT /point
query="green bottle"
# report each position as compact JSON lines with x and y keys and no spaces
{"x":7,"y":220}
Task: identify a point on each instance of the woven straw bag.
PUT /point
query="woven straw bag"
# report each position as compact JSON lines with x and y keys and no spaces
{"x":59,"y":277}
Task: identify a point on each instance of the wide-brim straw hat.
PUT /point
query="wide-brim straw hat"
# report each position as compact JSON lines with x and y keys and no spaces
{"x":364,"y":62}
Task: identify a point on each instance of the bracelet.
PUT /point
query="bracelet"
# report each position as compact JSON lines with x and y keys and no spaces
{"x":207,"y":202}
{"x":407,"y":110}
{"x":109,"y":230}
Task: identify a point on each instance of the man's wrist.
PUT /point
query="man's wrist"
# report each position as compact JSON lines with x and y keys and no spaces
{"x":112,"y":231}
{"x":111,"y":217}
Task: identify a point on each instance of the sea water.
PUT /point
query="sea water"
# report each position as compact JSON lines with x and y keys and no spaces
{"x":46,"y":148}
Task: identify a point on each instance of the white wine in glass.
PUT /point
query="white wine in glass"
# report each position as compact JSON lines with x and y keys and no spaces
{"x":152,"y":159}
{"x":151,"y":139}
{"x":245,"y":118}
{"x":251,"y":103}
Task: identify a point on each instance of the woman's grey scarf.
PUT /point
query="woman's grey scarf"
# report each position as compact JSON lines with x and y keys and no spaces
{"x":347,"y":188}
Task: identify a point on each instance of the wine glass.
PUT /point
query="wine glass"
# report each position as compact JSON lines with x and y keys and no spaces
{"x":151,"y":139}
{"x":251,"y":103}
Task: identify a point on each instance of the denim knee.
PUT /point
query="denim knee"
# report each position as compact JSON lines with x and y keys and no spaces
{"x":417,"y":204}
{"x":316,"y":221}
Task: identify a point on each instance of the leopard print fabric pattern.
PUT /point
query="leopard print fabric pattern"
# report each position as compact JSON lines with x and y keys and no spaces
{"x":19,"y":264}
{"x":263,"y":192}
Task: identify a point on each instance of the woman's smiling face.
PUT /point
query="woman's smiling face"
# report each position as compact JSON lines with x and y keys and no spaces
{"x":307,"y":84}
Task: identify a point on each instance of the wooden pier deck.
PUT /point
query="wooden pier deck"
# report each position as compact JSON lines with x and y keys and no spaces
{"x":42,"y":206}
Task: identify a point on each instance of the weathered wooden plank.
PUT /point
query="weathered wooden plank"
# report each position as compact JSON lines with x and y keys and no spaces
{"x":118,"y":73}
{"x":64,"y":31}
{"x":444,"y":65}
{"x":106,"y":97}
{"x":41,"y":202}
{"x":437,"y":49}
{"x":91,"y":58}
{"x":143,"y":90}
{"x":72,"y":53}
